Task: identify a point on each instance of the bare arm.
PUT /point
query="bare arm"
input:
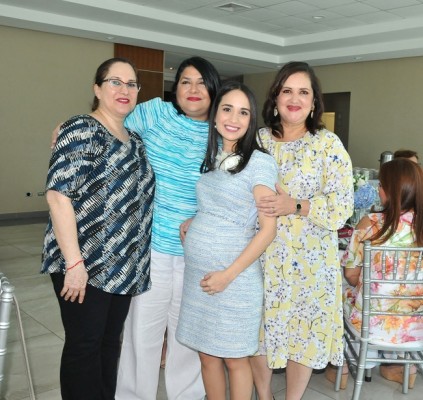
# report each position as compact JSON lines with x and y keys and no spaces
{"x":217,"y":281}
{"x":183,"y":229}
{"x":352,"y":275}
{"x":54,"y":135}
{"x":281,"y":204}
{"x":64,"y":226}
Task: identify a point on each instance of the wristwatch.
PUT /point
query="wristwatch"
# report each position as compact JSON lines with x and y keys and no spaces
{"x":298,"y":207}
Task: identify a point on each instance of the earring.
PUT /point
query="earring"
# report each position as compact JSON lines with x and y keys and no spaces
{"x":311,"y":114}
{"x":275,"y":112}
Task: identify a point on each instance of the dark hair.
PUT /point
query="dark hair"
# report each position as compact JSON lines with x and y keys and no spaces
{"x":274,"y":122}
{"x":245,"y":146}
{"x":102,"y":72}
{"x":402,"y":182}
{"x":207,"y":71}
{"x":402,"y":153}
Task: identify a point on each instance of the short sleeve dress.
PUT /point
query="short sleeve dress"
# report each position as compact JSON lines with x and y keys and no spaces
{"x":395,"y":329}
{"x":302,"y":274}
{"x":226,"y":324}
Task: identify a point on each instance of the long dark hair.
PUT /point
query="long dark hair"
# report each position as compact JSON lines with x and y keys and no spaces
{"x":102,"y":72}
{"x":207,"y":71}
{"x":244,"y":146}
{"x":402,"y":182}
{"x":274,"y":122}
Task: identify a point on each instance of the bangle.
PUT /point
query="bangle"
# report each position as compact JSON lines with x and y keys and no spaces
{"x":74,"y":265}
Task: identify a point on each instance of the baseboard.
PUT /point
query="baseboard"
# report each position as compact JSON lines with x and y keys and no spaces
{"x":42,"y":215}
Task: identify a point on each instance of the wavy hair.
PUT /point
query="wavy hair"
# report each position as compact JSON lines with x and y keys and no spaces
{"x":274,"y":122}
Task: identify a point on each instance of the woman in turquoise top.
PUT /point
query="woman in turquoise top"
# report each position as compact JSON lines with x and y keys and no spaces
{"x":175,"y":137}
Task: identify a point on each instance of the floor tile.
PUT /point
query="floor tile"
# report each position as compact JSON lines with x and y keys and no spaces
{"x":44,"y":358}
{"x":20,"y":259}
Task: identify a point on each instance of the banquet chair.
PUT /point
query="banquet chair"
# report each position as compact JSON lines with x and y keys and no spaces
{"x":7,"y":300}
{"x":399,"y":266}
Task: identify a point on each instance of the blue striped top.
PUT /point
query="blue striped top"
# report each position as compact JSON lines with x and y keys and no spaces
{"x":176,"y":147}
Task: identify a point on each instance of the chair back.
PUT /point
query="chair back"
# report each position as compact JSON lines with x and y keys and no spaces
{"x":392,"y":287}
{"x":6,"y":300}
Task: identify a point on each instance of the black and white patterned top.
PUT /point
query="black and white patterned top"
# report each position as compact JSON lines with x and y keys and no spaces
{"x":111,"y":185}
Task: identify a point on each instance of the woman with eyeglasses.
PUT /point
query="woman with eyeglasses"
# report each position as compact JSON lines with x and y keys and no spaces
{"x":100,"y":189}
{"x":175,"y":136}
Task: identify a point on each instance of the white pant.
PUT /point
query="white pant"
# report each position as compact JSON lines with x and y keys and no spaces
{"x":149,"y":315}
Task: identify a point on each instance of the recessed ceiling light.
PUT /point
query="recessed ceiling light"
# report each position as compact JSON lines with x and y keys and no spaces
{"x":110,"y":37}
{"x":234,"y":7}
{"x":171,"y":68}
{"x":318,"y":16}
{"x":358,"y":58}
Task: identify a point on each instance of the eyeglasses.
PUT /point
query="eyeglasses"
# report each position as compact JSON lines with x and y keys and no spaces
{"x":117,"y":84}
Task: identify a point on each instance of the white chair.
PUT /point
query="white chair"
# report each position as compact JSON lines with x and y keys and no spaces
{"x":358,"y":344}
{"x":7,"y":299}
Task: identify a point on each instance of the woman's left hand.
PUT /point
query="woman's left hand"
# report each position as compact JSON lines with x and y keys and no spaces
{"x":276,"y":205}
{"x":183,"y":229}
{"x":75,"y":284}
{"x":215,"y":282}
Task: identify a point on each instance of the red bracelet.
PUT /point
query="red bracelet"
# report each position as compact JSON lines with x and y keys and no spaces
{"x":74,"y":265}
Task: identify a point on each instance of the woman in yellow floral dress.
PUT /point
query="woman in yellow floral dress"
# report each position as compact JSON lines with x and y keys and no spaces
{"x":302,"y":326}
{"x":399,"y":224}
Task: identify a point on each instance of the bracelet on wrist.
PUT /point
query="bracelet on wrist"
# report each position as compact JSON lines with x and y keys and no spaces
{"x":75,"y":264}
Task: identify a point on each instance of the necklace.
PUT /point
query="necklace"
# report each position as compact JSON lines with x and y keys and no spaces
{"x":225,"y":160}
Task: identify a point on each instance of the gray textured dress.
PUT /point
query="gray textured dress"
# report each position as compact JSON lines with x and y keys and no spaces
{"x":227,"y":323}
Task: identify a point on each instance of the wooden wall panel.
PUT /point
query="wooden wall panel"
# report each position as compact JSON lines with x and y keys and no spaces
{"x":143,"y":58}
{"x":150,"y":69}
{"x":151,"y":85}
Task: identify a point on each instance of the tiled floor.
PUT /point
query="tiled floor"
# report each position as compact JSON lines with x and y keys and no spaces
{"x":20,"y":245}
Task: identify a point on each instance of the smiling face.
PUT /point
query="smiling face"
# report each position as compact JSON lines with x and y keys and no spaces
{"x":192,"y":95}
{"x":295,"y":100}
{"x":232,"y":118}
{"x":117,"y":101}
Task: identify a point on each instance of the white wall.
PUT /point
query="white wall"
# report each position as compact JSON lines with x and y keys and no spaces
{"x":46,"y":78}
{"x":386,"y":111}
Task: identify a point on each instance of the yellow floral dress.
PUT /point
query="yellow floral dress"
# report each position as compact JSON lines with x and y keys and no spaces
{"x":302,"y":275}
{"x":388,"y":329}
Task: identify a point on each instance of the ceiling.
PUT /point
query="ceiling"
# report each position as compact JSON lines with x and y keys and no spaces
{"x":243,"y":36}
